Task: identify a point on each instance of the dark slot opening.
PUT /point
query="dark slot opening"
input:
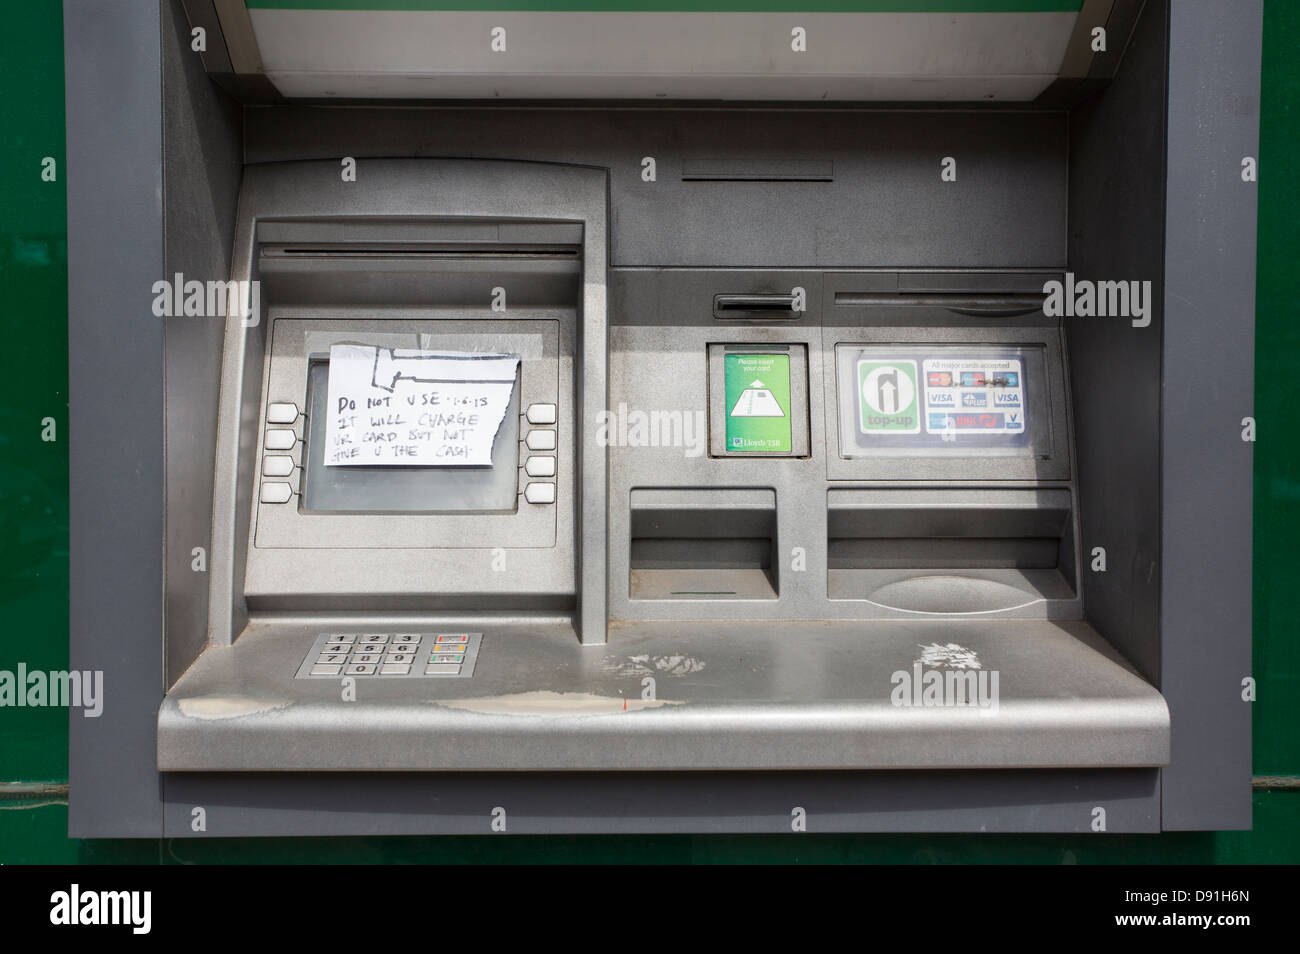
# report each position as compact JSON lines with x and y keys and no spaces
{"x":1006,"y":305}
{"x":950,"y":551}
{"x":703,"y":545}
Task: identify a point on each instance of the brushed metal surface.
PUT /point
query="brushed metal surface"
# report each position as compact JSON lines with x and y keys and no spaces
{"x":726,"y":696}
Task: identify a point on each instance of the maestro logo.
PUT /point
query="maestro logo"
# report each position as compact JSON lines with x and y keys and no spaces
{"x":888,"y":397}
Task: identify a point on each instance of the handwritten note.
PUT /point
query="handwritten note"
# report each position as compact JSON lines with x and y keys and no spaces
{"x":400,"y":407}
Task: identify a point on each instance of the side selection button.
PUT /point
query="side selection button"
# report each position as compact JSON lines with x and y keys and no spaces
{"x":278,"y":438}
{"x":541,"y":440}
{"x":277,"y":465}
{"x":541,"y":414}
{"x":540,"y":493}
{"x":281,"y":413}
{"x":275,"y":492}
{"x":543,"y":466}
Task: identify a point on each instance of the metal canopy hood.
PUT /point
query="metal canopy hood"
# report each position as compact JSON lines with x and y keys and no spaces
{"x":840,"y":50}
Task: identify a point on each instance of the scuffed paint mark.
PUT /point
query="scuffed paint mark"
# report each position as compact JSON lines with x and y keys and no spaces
{"x":227,"y":707}
{"x":677,"y":664}
{"x":544,"y":702}
{"x":951,"y":656}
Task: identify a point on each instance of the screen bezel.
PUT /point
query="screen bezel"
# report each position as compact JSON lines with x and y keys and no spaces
{"x":296,"y":342}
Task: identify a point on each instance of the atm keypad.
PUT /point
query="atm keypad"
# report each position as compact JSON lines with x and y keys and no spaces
{"x":391,"y":655}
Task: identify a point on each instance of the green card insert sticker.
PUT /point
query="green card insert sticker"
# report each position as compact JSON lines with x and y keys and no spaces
{"x":758,"y":403}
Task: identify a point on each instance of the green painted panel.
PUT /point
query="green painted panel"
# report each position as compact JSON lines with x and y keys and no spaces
{"x":34,"y":369}
{"x":1277,"y":358}
{"x":678,"y":6}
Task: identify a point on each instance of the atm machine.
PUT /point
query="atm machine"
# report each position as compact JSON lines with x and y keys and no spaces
{"x":515,"y":421}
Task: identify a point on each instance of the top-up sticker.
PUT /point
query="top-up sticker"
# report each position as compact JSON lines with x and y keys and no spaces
{"x":888,"y":397}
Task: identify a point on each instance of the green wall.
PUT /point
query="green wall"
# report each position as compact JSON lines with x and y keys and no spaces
{"x":34,"y":539}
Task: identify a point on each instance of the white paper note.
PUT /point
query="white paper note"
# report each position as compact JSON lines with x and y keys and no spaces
{"x":400,"y":407}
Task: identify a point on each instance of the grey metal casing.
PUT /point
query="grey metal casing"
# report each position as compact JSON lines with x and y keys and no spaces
{"x":790,"y":697}
{"x":723,"y":227}
{"x":651,"y":333}
{"x":825,"y":696}
{"x":709,"y":55}
{"x":1206,"y":460}
{"x":405,"y":192}
{"x":116,"y":520}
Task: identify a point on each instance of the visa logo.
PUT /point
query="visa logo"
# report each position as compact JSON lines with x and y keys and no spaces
{"x":941,"y":399}
{"x":1003,"y":399}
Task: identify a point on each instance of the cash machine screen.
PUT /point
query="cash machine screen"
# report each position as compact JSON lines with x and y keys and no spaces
{"x":368,"y":484}
{"x":406,"y":430}
{"x":407,"y":433}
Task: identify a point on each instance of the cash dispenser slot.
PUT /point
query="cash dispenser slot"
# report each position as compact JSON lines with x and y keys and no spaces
{"x":453,"y":276}
{"x":947,"y":551}
{"x":973,"y":306}
{"x":703,"y":544}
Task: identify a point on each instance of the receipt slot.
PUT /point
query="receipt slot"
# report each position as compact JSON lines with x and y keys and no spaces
{"x":672,"y":452}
